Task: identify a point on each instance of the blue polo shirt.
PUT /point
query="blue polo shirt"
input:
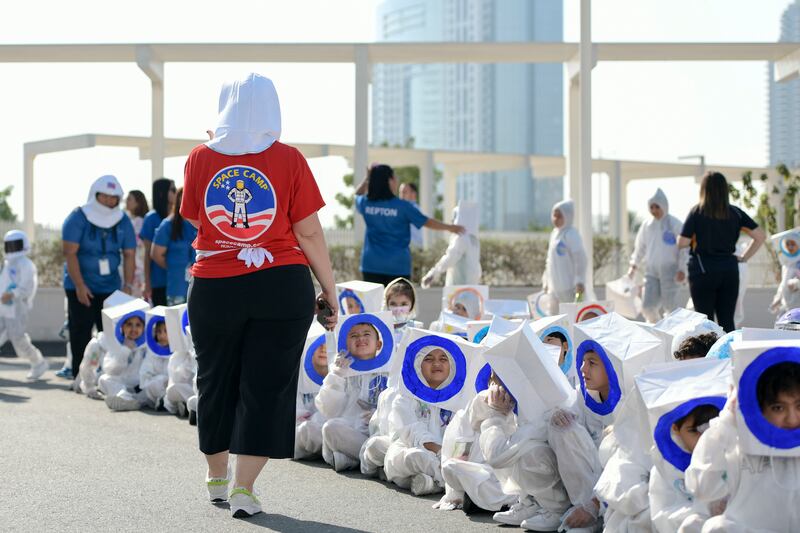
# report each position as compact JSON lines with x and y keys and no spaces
{"x":388,"y":234}
{"x":158,"y":276}
{"x":180,"y":255}
{"x":95,"y":244}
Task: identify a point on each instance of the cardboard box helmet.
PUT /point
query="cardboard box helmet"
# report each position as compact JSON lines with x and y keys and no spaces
{"x":539,"y":304}
{"x":310,"y":378}
{"x":115,"y":317}
{"x":465,"y":300}
{"x":722,"y":348}
{"x":382,"y":324}
{"x":582,"y":311}
{"x":359,"y":297}
{"x":155,"y":317}
{"x":557,"y":327}
{"x":177,"y":319}
{"x":787,"y":244}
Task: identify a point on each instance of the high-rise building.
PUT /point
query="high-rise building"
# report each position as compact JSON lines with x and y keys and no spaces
{"x":515,"y":108}
{"x":784,"y":101}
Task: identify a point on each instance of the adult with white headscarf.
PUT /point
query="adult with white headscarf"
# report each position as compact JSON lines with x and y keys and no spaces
{"x":251,"y":300}
{"x":97,"y":237}
{"x":665,"y":264}
{"x":565,"y":269}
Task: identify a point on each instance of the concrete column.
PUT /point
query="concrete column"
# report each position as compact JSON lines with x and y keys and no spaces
{"x":29,"y":222}
{"x":583,"y":209}
{"x":450,"y":179}
{"x":426,"y":193}
{"x":361,"y":144}
{"x":625,"y":228}
{"x":616,"y":210}
{"x":154,"y":69}
{"x":572,"y":178}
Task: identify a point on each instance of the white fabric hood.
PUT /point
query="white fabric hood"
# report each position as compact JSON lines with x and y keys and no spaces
{"x":468,"y":214}
{"x":567,"y":208}
{"x":98,"y":214}
{"x":660,"y":199}
{"x":249,"y":118}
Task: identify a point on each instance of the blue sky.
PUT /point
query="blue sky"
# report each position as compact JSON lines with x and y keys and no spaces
{"x":640,"y":110}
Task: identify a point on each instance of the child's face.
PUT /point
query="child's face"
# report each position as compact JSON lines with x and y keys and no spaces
{"x":398,"y":300}
{"x":656,"y":211}
{"x":435,"y":368}
{"x":784,"y":412}
{"x":687,"y":433}
{"x":555,"y":341}
{"x":791,"y":246}
{"x":133,"y":328}
{"x":352,"y":306}
{"x":557,"y":218}
{"x":594,"y":372}
{"x":161,"y":334}
{"x":320,"y":359}
{"x":460,"y":310}
{"x":588,"y":316}
{"x":363,"y":342}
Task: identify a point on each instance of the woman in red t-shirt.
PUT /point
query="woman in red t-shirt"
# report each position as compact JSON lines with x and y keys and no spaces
{"x":251,"y":302}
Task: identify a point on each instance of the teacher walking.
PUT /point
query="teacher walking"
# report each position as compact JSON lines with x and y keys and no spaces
{"x":251,"y":301}
{"x":386,"y":255}
{"x":711,"y":229}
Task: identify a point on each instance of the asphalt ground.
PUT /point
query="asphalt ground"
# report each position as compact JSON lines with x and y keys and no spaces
{"x":67,"y":463}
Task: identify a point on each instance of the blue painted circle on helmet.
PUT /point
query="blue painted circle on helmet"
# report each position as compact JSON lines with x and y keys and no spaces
{"x":482,"y":383}
{"x":662,"y":434}
{"x":415,"y":385}
{"x":348,"y":293}
{"x":568,"y":357}
{"x":308,"y":361}
{"x":118,"y":330}
{"x":478,"y":338}
{"x":385,"y":333}
{"x":150,"y":334}
{"x":614,"y":390}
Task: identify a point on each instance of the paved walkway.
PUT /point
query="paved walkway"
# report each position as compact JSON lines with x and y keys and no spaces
{"x":70,"y":464}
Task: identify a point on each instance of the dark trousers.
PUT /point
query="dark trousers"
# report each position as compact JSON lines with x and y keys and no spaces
{"x":715,"y":293}
{"x":248,"y":333}
{"x":383,"y":279}
{"x":158,"y":296}
{"x":81,"y":319}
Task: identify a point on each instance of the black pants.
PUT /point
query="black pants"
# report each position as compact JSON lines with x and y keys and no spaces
{"x":158,"y":296}
{"x":249,"y":332}
{"x":383,"y":279}
{"x":715,"y":293}
{"x":81,"y":319}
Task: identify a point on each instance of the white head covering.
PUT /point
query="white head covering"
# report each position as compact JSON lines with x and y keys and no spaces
{"x":17,"y":235}
{"x":567,"y":208}
{"x":98,"y":214}
{"x":249,"y":118}
{"x":660,"y":199}
{"x":418,"y":365}
{"x":468,"y":215}
{"x":471,"y":302}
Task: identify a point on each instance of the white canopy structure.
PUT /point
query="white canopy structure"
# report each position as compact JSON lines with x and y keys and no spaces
{"x":579,"y":59}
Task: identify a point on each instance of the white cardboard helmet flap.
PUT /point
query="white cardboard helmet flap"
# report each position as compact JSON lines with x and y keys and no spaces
{"x":787,"y":245}
{"x":466,"y":360}
{"x":383,"y":323}
{"x":530,"y":371}
{"x":117,"y":298}
{"x":177,"y":319}
{"x":114,"y":317}
{"x":765,"y":334}
{"x":508,"y":309}
{"x":477,"y":330}
{"x":452,"y":324}
{"x":539,"y":304}
{"x":580,"y":311}
{"x":625,"y":349}
{"x":310,"y":379}
{"x":472,"y":297}
{"x":558,"y":324}
{"x":625,"y":295}
{"x":751,"y":359}
{"x":499,"y":329}
{"x":671,"y":391}
{"x":154,"y":317}
{"x":366,"y":296}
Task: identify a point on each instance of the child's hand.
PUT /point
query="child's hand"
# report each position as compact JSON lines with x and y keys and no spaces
{"x":432,"y":446}
{"x":340,"y":364}
{"x":793,"y":284}
{"x":427,"y":280}
{"x":499,"y":399}
{"x":562,"y":418}
{"x":7,"y":297}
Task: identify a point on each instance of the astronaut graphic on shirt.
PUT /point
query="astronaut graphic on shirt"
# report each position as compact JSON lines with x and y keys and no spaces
{"x":240,"y":197}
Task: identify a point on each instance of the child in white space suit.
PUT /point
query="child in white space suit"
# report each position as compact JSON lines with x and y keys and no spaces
{"x":308,"y":420}
{"x":565,"y":269}
{"x":18,"y":284}
{"x":120,"y":378}
{"x":752,"y":492}
{"x":401,"y":299}
{"x":153,"y":372}
{"x":462,"y":260}
{"x":181,"y":387}
{"x":348,"y":403}
{"x":670,"y":502}
{"x":413,"y":458}
{"x":89,"y":371}
{"x":787,"y":295}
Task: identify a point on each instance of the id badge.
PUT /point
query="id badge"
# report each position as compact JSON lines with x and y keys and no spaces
{"x":105,"y":266}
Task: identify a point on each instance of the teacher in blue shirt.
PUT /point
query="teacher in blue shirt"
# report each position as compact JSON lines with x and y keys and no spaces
{"x":172,"y":250}
{"x":386,"y":255}
{"x":97,"y":237}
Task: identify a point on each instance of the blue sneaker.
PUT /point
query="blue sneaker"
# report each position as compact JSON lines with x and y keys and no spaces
{"x":65,"y":373}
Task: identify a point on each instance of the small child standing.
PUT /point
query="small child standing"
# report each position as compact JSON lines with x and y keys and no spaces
{"x":17,"y":289}
{"x":787,"y":295}
{"x":120,"y":377}
{"x":462,"y":259}
{"x":153,"y":374}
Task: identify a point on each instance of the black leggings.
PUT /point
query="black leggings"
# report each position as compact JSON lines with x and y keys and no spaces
{"x":249,"y":332}
{"x":80,"y":320}
{"x":383,"y":279}
{"x":715,"y":293}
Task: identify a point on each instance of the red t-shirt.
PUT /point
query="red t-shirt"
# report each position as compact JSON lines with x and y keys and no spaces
{"x":247,"y":201}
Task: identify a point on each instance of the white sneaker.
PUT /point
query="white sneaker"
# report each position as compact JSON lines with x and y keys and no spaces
{"x":244,"y":503}
{"x":343,"y":462}
{"x":544,"y":520}
{"x":95,"y":394}
{"x":218,"y":487}
{"x":423,"y":484}
{"x":518,"y":513}
{"x":39,"y":369}
{"x":122,"y":403}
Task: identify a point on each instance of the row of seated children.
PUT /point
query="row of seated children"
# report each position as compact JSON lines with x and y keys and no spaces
{"x":132,"y":363}
{"x":595,"y":462}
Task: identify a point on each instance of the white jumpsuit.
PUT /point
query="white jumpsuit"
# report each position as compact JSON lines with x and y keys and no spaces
{"x":656,"y":248}
{"x":762,"y":492}
{"x":372,"y":455}
{"x":461,"y":261}
{"x":308,"y":426}
{"x":566,"y":260}
{"x":121,"y":373}
{"x":348,"y":405}
{"x":153,"y":377}
{"x":18,"y":277}
{"x":182,"y":369}
{"x":89,"y":371}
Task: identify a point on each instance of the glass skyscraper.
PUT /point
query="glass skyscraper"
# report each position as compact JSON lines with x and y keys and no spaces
{"x":784,"y":101}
